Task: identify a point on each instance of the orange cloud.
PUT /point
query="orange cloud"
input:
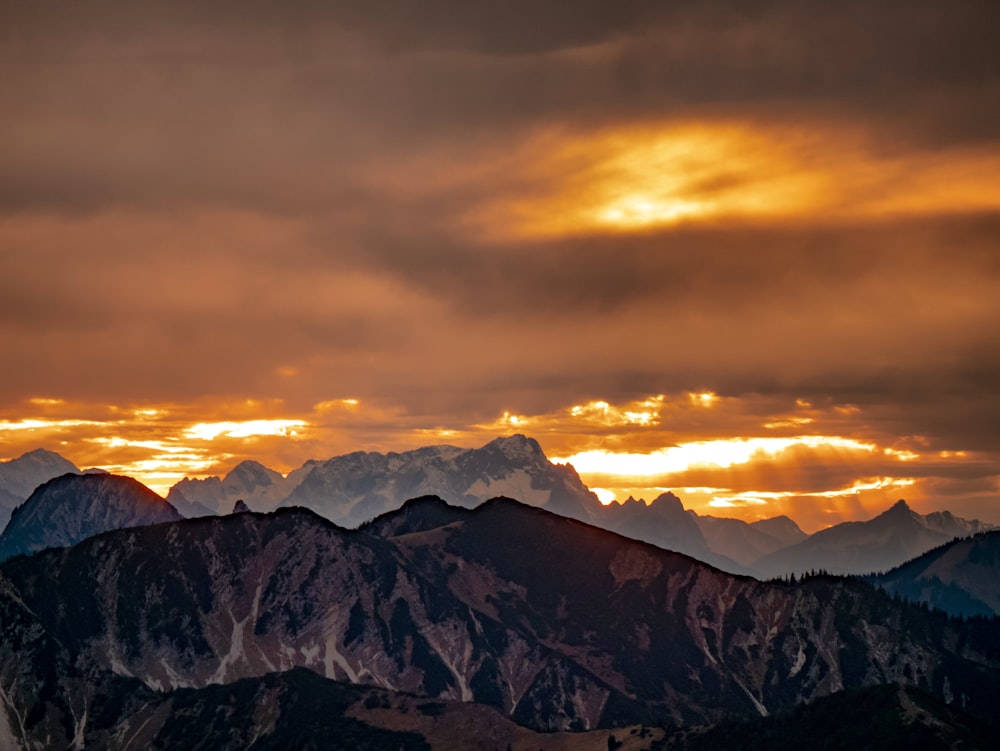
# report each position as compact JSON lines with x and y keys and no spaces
{"x":635,"y":178}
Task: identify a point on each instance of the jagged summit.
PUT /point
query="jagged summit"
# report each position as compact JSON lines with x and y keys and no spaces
{"x":899,"y":508}
{"x":260,"y":488}
{"x":517,"y":447}
{"x":241,"y":507}
{"x":355,"y":488}
{"x":668,"y":499}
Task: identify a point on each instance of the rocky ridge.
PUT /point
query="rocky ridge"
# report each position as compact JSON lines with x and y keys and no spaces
{"x":556,"y":624}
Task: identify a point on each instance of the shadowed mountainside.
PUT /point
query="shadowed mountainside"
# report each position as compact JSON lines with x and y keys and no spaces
{"x":556,"y":624}
{"x":71,"y":508}
{"x":894,"y":536}
{"x":961,"y":577}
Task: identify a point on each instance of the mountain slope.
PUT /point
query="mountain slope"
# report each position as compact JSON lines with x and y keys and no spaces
{"x":71,"y":508}
{"x":892,"y":537}
{"x":556,"y":624}
{"x":961,"y":577}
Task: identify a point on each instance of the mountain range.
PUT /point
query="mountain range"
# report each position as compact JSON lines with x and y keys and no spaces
{"x":894,"y":536}
{"x":555,"y":624}
{"x":353,"y":489}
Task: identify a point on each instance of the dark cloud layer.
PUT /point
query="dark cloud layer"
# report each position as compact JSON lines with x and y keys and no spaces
{"x":303,"y":201}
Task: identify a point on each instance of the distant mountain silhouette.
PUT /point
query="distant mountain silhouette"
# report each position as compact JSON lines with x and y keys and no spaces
{"x":663,"y":523}
{"x":746,"y":542}
{"x":261,"y":488}
{"x":19,"y":477}
{"x":70,"y":508}
{"x":353,"y":489}
{"x":961,"y":577}
{"x":892,"y":537}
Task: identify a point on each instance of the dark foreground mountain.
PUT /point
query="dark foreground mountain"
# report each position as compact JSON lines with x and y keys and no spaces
{"x":891,"y":538}
{"x":301,"y":710}
{"x":961,"y":577}
{"x":880,"y":718}
{"x":555,"y":624}
{"x":73,"y":507}
{"x":19,"y":477}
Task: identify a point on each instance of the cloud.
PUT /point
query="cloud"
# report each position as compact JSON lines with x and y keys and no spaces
{"x":455,"y":211}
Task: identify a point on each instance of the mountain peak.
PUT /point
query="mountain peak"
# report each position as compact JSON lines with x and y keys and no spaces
{"x":518,"y":447}
{"x":241,"y":507}
{"x":70,"y":508}
{"x":899,"y":510}
{"x":668,"y":499}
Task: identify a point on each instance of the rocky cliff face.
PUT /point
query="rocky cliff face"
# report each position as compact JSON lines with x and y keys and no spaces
{"x":557,"y":624}
{"x":73,"y":507}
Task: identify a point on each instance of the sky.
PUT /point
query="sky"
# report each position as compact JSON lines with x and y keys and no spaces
{"x":746,"y":252}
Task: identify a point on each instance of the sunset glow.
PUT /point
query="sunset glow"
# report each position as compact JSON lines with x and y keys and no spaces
{"x":209,"y":431}
{"x":721,"y":454}
{"x":744,"y":253}
{"x":639,"y":178}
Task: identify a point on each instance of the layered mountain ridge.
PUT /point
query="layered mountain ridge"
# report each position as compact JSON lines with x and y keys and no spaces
{"x":894,"y":536}
{"x":353,"y":489}
{"x":556,"y":624}
{"x":961,"y":577}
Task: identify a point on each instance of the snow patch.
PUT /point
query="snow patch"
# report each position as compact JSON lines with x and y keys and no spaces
{"x":235,"y":651}
{"x":800,"y":661}
{"x":516,"y":485}
{"x":311,"y":654}
{"x":333,"y":657}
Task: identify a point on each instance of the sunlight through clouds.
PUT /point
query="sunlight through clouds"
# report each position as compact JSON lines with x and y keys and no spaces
{"x":635,"y":178}
{"x":247,"y":428}
{"x":718,"y":453}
